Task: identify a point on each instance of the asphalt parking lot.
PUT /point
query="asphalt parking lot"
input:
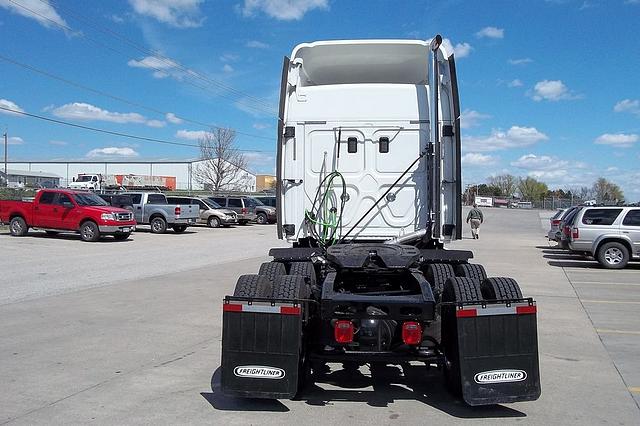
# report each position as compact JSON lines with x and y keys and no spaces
{"x":129,"y":333}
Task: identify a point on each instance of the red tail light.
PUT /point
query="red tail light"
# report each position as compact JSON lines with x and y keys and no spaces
{"x":555,"y":222}
{"x":576,"y":233}
{"x":411,"y":333}
{"x":566,"y":231}
{"x":177,"y":210}
{"x":244,"y":210}
{"x":343,"y":331}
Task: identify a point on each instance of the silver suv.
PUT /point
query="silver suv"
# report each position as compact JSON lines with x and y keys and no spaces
{"x":610,"y":234}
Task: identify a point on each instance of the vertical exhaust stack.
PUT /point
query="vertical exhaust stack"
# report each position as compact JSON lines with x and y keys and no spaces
{"x":435,"y":160}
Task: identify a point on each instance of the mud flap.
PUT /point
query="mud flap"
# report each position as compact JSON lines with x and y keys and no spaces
{"x":497,"y":346}
{"x":261,"y":347}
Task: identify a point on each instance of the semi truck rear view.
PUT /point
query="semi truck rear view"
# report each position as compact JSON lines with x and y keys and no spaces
{"x":368,"y":193}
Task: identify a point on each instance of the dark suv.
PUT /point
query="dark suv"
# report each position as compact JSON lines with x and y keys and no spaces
{"x":247,"y":208}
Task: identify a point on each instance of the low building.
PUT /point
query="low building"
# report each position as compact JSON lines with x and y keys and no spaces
{"x":29,"y":179}
{"x":265,"y":183}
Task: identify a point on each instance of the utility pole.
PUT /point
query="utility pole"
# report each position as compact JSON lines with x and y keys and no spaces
{"x":6,"y":144}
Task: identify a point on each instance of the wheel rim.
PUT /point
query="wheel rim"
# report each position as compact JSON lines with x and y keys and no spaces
{"x":16,"y":227}
{"x":215,"y":222}
{"x":261,"y":219}
{"x":87,"y":233}
{"x":613,"y":256}
{"x":157,"y":226}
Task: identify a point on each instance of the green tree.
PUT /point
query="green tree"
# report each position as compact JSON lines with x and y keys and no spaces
{"x":531,"y":189}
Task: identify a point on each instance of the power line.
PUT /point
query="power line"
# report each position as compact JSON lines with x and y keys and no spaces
{"x":110,"y":132}
{"x":118,"y":98}
{"x":158,"y":55}
{"x":191,"y":73}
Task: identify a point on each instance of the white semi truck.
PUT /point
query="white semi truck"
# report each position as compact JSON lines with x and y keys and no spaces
{"x":368,"y":193}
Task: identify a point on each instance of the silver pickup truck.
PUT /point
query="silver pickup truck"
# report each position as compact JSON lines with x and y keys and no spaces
{"x":151,"y":208}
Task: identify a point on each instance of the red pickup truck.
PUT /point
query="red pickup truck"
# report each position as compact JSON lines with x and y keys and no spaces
{"x":60,"y":210}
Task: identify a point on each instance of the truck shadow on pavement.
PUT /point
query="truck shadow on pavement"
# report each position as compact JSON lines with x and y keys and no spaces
{"x":74,"y":237}
{"x":384,"y":386}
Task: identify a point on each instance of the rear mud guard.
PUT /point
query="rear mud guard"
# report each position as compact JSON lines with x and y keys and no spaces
{"x":261,"y":347}
{"x":495,"y":346}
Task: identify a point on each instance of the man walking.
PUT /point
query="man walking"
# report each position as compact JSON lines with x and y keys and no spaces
{"x":475,"y":218}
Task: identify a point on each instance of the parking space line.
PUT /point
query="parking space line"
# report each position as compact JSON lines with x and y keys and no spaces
{"x":622,"y":302}
{"x":605,"y":283}
{"x":609,"y":331}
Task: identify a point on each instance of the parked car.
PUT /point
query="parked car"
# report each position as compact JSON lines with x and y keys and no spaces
{"x":554,"y":223}
{"x":151,"y":208}
{"x":118,"y":200}
{"x":267,"y":200}
{"x":210,"y":212}
{"x":58,"y":210}
{"x":245,"y":207}
{"x":565,"y":226}
{"x":610,"y":234}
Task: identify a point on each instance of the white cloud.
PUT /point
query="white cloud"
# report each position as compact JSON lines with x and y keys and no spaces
{"x":163,"y":67}
{"x":470,"y":118}
{"x":477,"y":159}
{"x":88,"y":112}
{"x":5,"y":103}
{"x":520,"y":61}
{"x":43,"y":11}
{"x":539,"y":162}
{"x":515,"y":83}
{"x":260,"y":161}
{"x":15,"y":140}
{"x":285,"y":10}
{"x":515,"y":137}
{"x":192,"y":135}
{"x":554,"y":171}
{"x":618,"y":140}
{"x":460,"y":50}
{"x":175,"y":13}
{"x":625,"y":105}
{"x":112,"y":151}
{"x":172,"y":118}
{"x":490,"y":32}
{"x":229,"y":57}
{"x":227,"y":68}
{"x":58,"y":143}
{"x":255,"y":44}
{"x":260,"y":126}
{"x":552,"y":90}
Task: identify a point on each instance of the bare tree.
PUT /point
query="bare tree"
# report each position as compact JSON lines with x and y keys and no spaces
{"x":507,"y":184}
{"x":606,"y":191}
{"x":222,"y":167}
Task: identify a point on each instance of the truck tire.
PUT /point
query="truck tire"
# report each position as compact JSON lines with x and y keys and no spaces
{"x":271,"y":270}
{"x":291,"y":287}
{"x":456,"y":289}
{"x":18,"y":227}
{"x":252,"y":286}
{"x":461,"y":289}
{"x":213,"y":222}
{"x":179,"y":229}
{"x":469,"y":270}
{"x":500,"y":289}
{"x":261,"y":219}
{"x":89,"y":232}
{"x":158,"y":225}
{"x":613,"y":255}
{"x":304,"y":269}
{"x":437,"y":274}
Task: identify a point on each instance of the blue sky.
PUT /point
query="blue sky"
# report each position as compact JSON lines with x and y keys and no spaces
{"x":549,"y":89}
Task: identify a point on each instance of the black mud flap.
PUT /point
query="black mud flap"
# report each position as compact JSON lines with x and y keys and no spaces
{"x":261,"y":347}
{"x":497,"y":347}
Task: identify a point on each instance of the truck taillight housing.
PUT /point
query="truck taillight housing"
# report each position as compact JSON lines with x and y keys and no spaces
{"x":575,"y":234}
{"x":566,"y":230}
{"x":177,"y":210}
{"x":243,"y":210}
{"x":343,"y":331}
{"x":411,"y":333}
{"x":555,"y":222}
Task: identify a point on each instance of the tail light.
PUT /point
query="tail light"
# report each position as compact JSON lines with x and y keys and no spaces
{"x":243,"y":210}
{"x":555,"y":222}
{"x":576,"y":233}
{"x":177,"y":211}
{"x":343,"y":331}
{"x":411,"y":333}
{"x":566,"y":231}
